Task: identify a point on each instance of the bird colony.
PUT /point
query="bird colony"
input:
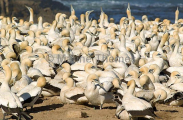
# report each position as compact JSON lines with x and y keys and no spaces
{"x":133,"y":64}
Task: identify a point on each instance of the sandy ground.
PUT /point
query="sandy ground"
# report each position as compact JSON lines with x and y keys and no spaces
{"x":52,"y":109}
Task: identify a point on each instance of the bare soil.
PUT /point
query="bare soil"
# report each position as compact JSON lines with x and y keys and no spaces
{"x":51,"y":108}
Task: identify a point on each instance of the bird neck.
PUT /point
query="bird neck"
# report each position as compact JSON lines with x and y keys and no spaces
{"x":40,"y":24}
{"x":24,"y":69}
{"x":70,"y":83}
{"x":123,"y":43}
{"x":176,"y":47}
{"x":131,"y":88}
{"x":5,"y":86}
{"x":3,"y":33}
{"x":8,"y":75}
{"x":13,"y":35}
{"x":52,"y":29}
{"x":31,"y":16}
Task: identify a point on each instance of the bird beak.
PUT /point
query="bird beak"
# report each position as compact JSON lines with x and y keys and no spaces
{"x":164,"y":57}
{"x":61,"y":67}
{"x":91,"y":55}
{"x":71,"y":45}
{"x":42,"y":33}
{"x":121,"y":88}
{"x":128,"y":75}
{"x":102,"y":10}
{"x":157,"y":99}
{"x":153,"y":35}
{"x":28,"y":7}
{"x":15,"y":19}
{"x":140,"y":73}
{"x":172,"y":46}
{"x":147,"y":54}
{"x":26,"y":35}
{"x":90,"y":11}
{"x":1,"y":68}
{"x":63,"y":81}
{"x":72,"y":9}
{"x":151,"y":71}
{"x":128,"y":7}
{"x":98,"y":83}
{"x":178,"y":76}
{"x":80,"y":39}
{"x":34,"y":57}
{"x":126,"y":19}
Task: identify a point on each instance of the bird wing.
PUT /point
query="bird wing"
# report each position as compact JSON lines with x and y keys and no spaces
{"x":135,"y":104}
{"x":106,"y":87}
{"x":10,"y":100}
{"x":27,"y":97}
{"x":2,"y":76}
{"x":16,"y":100}
{"x":177,"y":86}
{"x":80,"y":75}
{"x":74,"y":92}
{"x":27,"y":88}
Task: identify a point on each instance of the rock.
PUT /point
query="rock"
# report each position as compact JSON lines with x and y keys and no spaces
{"x":76,"y":114}
{"x":45,"y":8}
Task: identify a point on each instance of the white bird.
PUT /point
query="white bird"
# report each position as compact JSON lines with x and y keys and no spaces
{"x":134,"y":106}
{"x":92,"y":92}
{"x":9,"y":102}
{"x":30,"y":94}
{"x":71,"y":94}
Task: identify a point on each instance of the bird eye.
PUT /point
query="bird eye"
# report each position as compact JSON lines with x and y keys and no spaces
{"x":93,"y":67}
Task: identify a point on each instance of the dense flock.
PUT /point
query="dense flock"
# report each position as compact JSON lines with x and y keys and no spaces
{"x":131,"y":63}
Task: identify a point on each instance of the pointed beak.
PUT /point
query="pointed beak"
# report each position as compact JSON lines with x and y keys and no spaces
{"x":42,"y":33}
{"x":98,"y":83}
{"x":63,"y":81}
{"x":71,"y":45}
{"x":153,"y":35}
{"x":102,"y":10}
{"x":126,"y":19}
{"x":121,"y":88}
{"x":26,"y":35}
{"x":178,"y":76}
{"x":140,"y":73}
{"x":28,"y":7}
{"x":1,"y":68}
{"x":80,"y":39}
{"x":90,"y":11}
{"x":128,"y":75}
{"x":128,"y":7}
{"x":157,"y":99}
{"x":147,"y":54}
{"x":72,"y":9}
{"x":61,"y":67}
{"x":15,"y":19}
{"x":151,"y":71}
{"x":33,"y":57}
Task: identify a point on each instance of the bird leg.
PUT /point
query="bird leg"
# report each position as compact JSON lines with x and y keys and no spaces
{"x":24,"y":113}
{"x":31,"y":108}
{"x":101,"y":106}
{"x":4,"y":116}
{"x":19,"y":116}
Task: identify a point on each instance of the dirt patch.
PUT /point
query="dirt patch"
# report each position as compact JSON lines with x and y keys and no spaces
{"x":52,"y":109}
